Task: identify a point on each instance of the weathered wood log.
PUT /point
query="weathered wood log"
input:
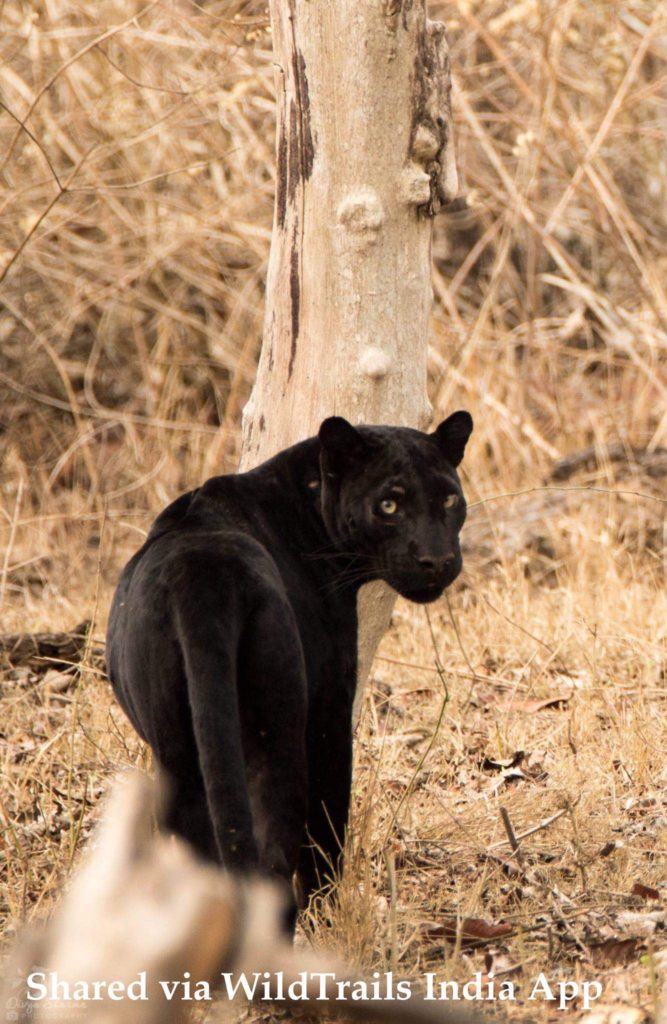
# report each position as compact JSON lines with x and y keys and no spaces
{"x":364,"y":159}
{"x":140,"y":902}
{"x":143,"y":909}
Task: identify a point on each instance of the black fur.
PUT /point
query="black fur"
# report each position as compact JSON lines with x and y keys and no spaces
{"x":233,"y":632}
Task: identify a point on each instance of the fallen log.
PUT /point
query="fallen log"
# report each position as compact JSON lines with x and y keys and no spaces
{"x":143,"y":912}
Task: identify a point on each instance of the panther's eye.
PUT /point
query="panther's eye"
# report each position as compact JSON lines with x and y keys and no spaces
{"x":388,"y":507}
{"x":450,"y":501}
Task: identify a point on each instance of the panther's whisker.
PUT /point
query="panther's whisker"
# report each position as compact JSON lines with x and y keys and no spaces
{"x":345,"y":579}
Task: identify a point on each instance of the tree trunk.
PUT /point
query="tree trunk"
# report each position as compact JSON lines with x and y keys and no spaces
{"x":364,"y":160}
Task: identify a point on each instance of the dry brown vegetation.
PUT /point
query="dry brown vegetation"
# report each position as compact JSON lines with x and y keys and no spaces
{"x":136,"y":146}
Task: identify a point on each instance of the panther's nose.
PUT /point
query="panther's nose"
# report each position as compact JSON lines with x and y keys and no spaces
{"x":435,"y":563}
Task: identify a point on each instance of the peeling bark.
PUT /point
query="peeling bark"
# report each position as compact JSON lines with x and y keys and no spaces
{"x":364,"y":160}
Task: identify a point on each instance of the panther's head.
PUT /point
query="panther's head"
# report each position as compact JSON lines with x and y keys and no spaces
{"x":392,"y":497}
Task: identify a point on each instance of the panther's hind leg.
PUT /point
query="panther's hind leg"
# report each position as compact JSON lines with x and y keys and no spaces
{"x":207,"y":637}
{"x":273,"y":697}
{"x":187,"y":814}
{"x":330,"y":782}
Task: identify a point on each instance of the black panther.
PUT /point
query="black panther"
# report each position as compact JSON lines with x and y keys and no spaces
{"x":232,"y":642}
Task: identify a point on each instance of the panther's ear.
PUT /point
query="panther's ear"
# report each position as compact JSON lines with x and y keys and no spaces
{"x":340,"y":440}
{"x":452,"y":435}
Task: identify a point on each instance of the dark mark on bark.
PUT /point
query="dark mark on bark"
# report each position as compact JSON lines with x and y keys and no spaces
{"x":299,"y":158}
{"x":295,"y":296}
{"x":293,"y":155}
{"x":262,"y":424}
{"x":300,"y":147}
{"x":307,"y":144}
{"x":281,"y":174}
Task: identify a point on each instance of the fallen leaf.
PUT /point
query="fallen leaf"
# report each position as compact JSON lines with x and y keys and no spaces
{"x":477,"y":928}
{"x":615,"y":952}
{"x":609,"y":847}
{"x":645,"y":891}
{"x":470,"y":929}
{"x":531,"y":706}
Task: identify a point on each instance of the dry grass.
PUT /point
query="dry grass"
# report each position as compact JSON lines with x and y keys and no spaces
{"x":136,"y":211}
